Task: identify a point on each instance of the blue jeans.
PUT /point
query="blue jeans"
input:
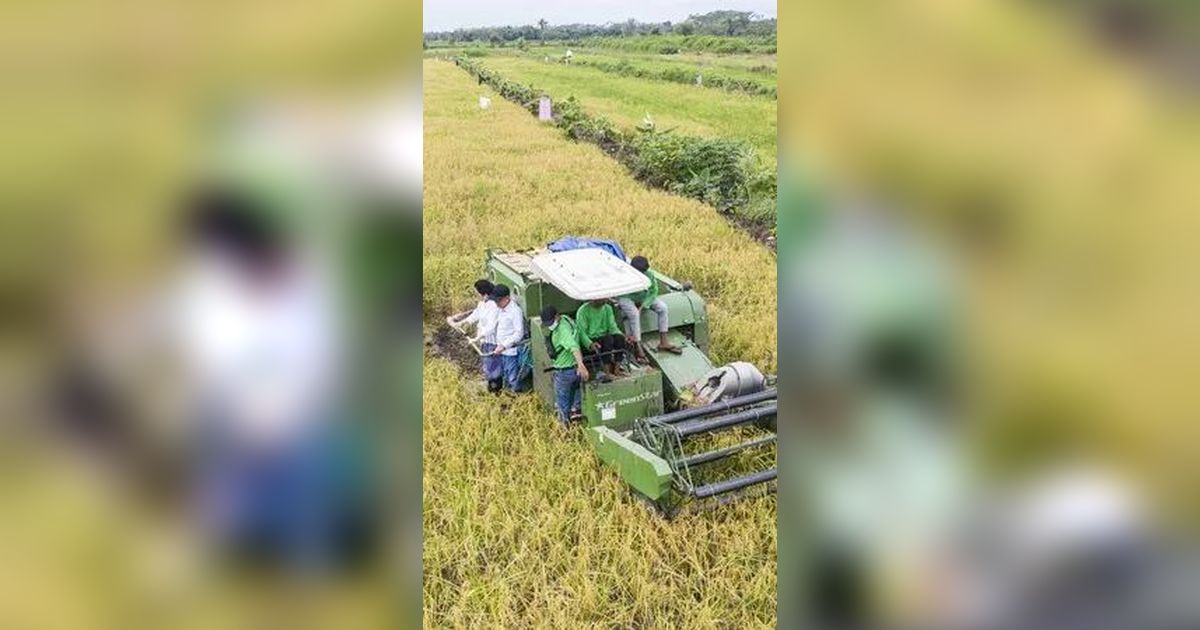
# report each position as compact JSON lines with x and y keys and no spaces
{"x":568,"y":393}
{"x":511,"y":366}
{"x":284,"y":505}
{"x":490,"y":363}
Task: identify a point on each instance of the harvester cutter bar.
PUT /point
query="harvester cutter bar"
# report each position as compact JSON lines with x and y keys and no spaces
{"x":736,"y":483}
{"x":718,"y":423}
{"x":722,"y":453}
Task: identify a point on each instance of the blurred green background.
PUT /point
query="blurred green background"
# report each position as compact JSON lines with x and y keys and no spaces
{"x":107,"y":109}
{"x":1060,"y":165}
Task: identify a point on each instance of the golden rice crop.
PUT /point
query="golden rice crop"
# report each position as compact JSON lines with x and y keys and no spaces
{"x":497,"y":178}
{"x":523,"y":526}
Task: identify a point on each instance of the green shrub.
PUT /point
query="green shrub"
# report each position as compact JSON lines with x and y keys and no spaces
{"x":713,"y":170}
{"x":674,"y":44}
{"x":579,"y":125}
{"x":681,"y":75}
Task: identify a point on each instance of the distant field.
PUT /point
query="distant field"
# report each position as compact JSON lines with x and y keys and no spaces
{"x":759,"y":65}
{"x":626,"y":101}
{"x":716,"y":73}
{"x":688,"y":43}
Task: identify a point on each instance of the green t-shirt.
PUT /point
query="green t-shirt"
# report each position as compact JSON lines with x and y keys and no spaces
{"x":564,"y":340}
{"x":594,"y":322}
{"x":647,"y":297}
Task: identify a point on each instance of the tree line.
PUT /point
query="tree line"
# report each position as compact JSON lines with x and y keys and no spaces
{"x":719,"y":23}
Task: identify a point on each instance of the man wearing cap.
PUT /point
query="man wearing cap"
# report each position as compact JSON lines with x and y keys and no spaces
{"x":633,"y":304}
{"x":562,"y":344}
{"x":510,"y":332}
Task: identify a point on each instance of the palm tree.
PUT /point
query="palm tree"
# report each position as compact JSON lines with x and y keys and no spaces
{"x":542,"y":24}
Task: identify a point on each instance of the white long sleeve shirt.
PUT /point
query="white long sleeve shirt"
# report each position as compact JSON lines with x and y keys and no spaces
{"x":509,"y":327}
{"x":264,"y":361}
{"x":484,"y":318}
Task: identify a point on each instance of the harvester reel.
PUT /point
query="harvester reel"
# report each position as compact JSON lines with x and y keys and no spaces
{"x":666,"y":437}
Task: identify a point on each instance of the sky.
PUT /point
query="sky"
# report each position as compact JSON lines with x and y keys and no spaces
{"x":447,"y":15}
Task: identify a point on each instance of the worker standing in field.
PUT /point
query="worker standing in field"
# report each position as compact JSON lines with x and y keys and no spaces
{"x":484,"y":316}
{"x":562,"y":345}
{"x":633,"y":304}
{"x":256,"y":320}
{"x":510,"y":332}
{"x":599,"y":335}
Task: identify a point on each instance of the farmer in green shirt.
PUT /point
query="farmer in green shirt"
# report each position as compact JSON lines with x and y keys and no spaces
{"x":562,"y":344}
{"x":599,"y":336}
{"x":633,"y":304}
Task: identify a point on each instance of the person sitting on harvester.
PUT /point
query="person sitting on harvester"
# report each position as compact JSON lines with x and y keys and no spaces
{"x":599,"y":336}
{"x":562,"y":345}
{"x":510,"y":332}
{"x":632,"y":305}
{"x":484,"y":316}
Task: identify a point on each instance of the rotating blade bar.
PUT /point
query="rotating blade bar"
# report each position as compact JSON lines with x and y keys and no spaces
{"x":724,"y":422}
{"x":737,"y":483}
{"x":722,"y":453}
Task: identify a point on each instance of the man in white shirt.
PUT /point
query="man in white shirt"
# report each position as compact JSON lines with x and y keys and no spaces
{"x":484,"y":317}
{"x":256,"y":321}
{"x":510,"y":333}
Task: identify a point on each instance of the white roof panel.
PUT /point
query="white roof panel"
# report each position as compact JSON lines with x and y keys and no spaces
{"x":589,"y":274}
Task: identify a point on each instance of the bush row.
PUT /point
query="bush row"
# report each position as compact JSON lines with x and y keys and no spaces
{"x":675,"y":44}
{"x":721,"y":172}
{"x":681,"y":75}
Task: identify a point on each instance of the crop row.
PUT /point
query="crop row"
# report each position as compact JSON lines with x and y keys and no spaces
{"x":681,"y":75}
{"x":674,"y":44}
{"x":721,"y":172}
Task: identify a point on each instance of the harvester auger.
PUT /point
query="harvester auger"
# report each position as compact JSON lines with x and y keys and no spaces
{"x":673,"y":429}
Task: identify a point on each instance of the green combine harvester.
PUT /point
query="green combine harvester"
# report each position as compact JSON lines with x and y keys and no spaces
{"x":643,"y":422}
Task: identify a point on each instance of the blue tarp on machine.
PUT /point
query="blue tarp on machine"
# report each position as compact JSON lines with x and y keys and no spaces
{"x":582,"y":242}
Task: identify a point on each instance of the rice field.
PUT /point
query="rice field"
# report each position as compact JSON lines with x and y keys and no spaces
{"x":761,"y":65}
{"x":523,"y":526}
{"x":758,"y":68}
{"x":627,"y":100}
